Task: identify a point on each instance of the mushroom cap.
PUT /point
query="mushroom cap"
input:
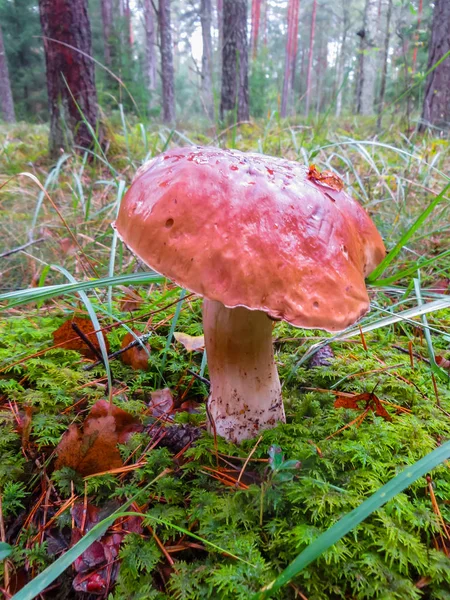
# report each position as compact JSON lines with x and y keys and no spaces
{"x":252,"y":230}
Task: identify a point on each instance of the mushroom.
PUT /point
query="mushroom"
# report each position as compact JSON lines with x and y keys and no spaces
{"x":260,"y":240}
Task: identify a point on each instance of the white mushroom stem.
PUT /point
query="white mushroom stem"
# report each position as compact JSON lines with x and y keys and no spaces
{"x":245,"y":393}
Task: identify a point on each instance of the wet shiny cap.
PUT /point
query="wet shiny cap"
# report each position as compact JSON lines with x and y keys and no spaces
{"x":251,"y":230}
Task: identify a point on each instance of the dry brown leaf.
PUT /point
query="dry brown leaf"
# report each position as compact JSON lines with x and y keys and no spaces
{"x":66,"y":335}
{"x":94,"y":449}
{"x":131,"y":301}
{"x":190,"y":342}
{"x":161,"y":402}
{"x":371,"y":401}
{"x":325,"y":178}
{"x":136,"y":357}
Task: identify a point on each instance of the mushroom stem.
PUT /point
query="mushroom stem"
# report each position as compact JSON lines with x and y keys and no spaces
{"x":245,"y":389}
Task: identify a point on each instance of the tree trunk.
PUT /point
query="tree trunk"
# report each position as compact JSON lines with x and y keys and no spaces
{"x":70,"y":74}
{"x":436,"y":105}
{"x":385,"y":64}
{"x":341,"y":63}
{"x":207,"y":58}
{"x":220,"y":29}
{"x":167,"y":70}
{"x":6,"y":99}
{"x":290,"y":56}
{"x":150,"y":50}
{"x":370,"y":58}
{"x":416,"y":37}
{"x":107,"y":22}
{"x":256,"y":18}
{"x":310,"y":57}
{"x":234,"y":94}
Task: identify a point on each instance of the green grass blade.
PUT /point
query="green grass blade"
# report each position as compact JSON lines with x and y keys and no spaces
{"x":21,"y":297}
{"x":170,"y":336}
{"x":355,"y":517}
{"x":5,"y":550}
{"x":373,"y":277}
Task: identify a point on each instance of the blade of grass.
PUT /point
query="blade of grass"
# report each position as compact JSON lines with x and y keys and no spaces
{"x":21,"y":297}
{"x":355,"y":517}
{"x":170,"y":336}
{"x":373,"y":277}
{"x":46,"y":578}
{"x":431,"y":355}
{"x":93,"y":316}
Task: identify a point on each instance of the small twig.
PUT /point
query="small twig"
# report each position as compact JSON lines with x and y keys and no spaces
{"x":87,"y":341}
{"x":247,"y":461}
{"x":140,"y":341}
{"x":405,"y":351}
{"x":199,"y":377}
{"x":20,"y":248}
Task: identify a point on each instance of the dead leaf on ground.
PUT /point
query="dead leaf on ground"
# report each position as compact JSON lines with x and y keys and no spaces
{"x":161,"y":402}
{"x":70,"y":340}
{"x":325,"y":178}
{"x":97,"y":566}
{"x":94,"y":448}
{"x":131,"y":301}
{"x":190,"y":342}
{"x":371,"y":401}
{"x":136,"y":357}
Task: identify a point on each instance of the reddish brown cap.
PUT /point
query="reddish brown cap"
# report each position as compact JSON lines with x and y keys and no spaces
{"x":251,"y":230}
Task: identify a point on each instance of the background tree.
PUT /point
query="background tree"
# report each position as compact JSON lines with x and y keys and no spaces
{"x":207,"y":58}
{"x":310,"y":56}
{"x":369,"y":62}
{"x":150,"y":50}
{"x":70,"y":73}
{"x":235,"y":60}
{"x":436,"y":104}
{"x":291,"y":54}
{"x":107,"y":22}
{"x":6,"y":99}
{"x":256,"y":18}
{"x":167,"y":70}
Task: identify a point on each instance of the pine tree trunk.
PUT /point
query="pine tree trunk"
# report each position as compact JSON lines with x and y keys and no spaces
{"x":150,"y":50}
{"x":341,"y":62}
{"x":234,"y":94}
{"x":220,"y":28}
{"x":107,"y":23}
{"x":6,"y":99}
{"x":290,"y":56}
{"x":310,"y":57}
{"x":256,"y":18}
{"x":167,"y":70}
{"x":416,"y":36}
{"x":385,"y":64}
{"x":436,"y":105}
{"x":70,"y":74}
{"x":207,"y":58}
{"x":370,"y":59}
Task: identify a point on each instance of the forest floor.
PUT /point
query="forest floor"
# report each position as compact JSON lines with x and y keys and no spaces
{"x":218,"y":520}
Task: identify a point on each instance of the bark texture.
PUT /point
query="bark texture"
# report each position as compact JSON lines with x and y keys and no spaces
{"x":150,"y":49}
{"x":207,"y":58}
{"x":436,"y":105}
{"x":342,"y":57}
{"x":291,"y":54}
{"x":107,"y":24}
{"x":70,"y":74}
{"x":167,"y":70}
{"x":369,"y":59}
{"x":310,"y":57}
{"x":235,"y":59}
{"x":6,"y":98}
{"x":385,"y":64}
{"x":256,"y":18}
